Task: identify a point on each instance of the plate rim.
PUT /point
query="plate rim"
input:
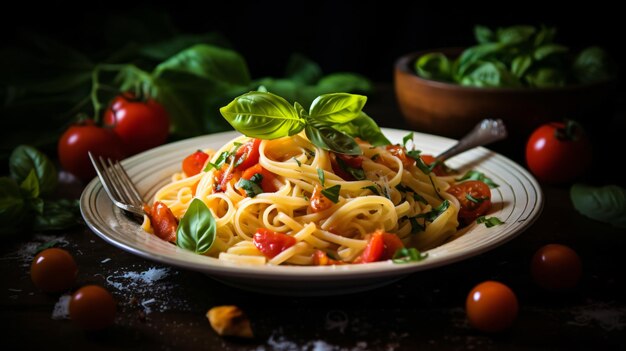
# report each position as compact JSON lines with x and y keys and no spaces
{"x":94,"y":189}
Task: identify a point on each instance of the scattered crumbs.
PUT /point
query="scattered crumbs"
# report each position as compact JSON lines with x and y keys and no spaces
{"x":279,"y":342}
{"x":27,"y":251}
{"x":62,"y":308}
{"x":80,"y":252}
{"x":605,"y":315}
{"x":105,"y":260}
{"x":14,"y":290}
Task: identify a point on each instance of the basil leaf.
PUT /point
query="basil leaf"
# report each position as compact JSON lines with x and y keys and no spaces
{"x":484,"y":35}
{"x":303,"y":70}
{"x":12,"y":206}
{"x":321,"y":176}
{"x":297,"y":161}
{"x":406,"y":255}
{"x":489,"y":222}
{"x":426,"y":169}
{"x":332,"y":193}
{"x":364,"y":127}
{"x":605,"y":204}
{"x":415,"y":226}
{"x":221,"y":159}
{"x":356,"y":173}
{"x":545,"y":51}
{"x":420,"y":198}
{"x":593,"y":64}
{"x":197,"y":229}
{"x":300,"y":110}
{"x":546,"y":77}
{"x":263,"y":115}
{"x":546,"y":35}
{"x":515,"y":34}
{"x":435,"y":66}
{"x":407,"y":138}
{"x":31,"y":184}
{"x":435,"y":212}
{"x":330,"y":139}
{"x":252,"y":186}
{"x":372,"y":189}
{"x":57,"y":215}
{"x":520,"y":65}
{"x":26,"y":158}
{"x":476,"y":175}
{"x":490,"y":74}
{"x":337,"y":107}
{"x":473,"y":199}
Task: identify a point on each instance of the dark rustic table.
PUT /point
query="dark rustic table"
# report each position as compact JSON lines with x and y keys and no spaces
{"x":162,"y":307}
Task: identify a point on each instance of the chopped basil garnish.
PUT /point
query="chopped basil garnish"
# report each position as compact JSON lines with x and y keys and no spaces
{"x":435,"y":187}
{"x":435,"y":212}
{"x":415,"y":226}
{"x":221,"y":159}
{"x":372,"y":188}
{"x":475,"y":175}
{"x":251,"y":186}
{"x":420,"y":198}
{"x":298,"y":162}
{"x":489,"y":222}
{"x":407,"y":138}
{"x":406,"y":255}
{"x":356,"y":173}
{"x":321,"y":176}
{"x":332,"y":193}
{"x":475,"y":200}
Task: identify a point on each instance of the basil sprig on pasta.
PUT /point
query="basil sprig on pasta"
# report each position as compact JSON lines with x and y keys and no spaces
{"x":331,"y":123}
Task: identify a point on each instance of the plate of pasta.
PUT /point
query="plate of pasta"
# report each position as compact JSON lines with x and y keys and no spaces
{"x":292,"y":214}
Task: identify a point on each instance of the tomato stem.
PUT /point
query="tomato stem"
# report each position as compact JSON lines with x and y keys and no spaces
{"x":569,"y":132}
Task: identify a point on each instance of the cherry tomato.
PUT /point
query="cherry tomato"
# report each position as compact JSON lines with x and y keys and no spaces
{"x":439,"y":169}
{"x":319,"y":202}
{"x":80,"y":138}
{"x":382,"y":246}
{"x":400,"y":152}
{"x":348,"y":161}
{"x":224,"y":176}
{"x":141,"y":125}
{"x":556,"y":267}
{"x":92,"y":307}
{"x":320,"y":258}
{"x":247,"y":155}
{"x":194,"y":163}
{"x":53,"y":270}
{"x":271,"y":243}
{"x":558,"y":153}
{"x":470,"y":210}
{"x":267,"y":183}
{"x":163,"y":221}
{"x":491,"y":306}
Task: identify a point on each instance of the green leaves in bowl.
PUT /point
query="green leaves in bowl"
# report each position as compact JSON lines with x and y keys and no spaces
{"x":517,"y":56}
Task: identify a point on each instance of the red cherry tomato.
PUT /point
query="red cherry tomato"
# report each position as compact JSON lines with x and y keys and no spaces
{"x":141,"y":125}
{"x":163,"y":221}
{"x":53,"y":270}
{"x":439,"y":169}
{"x":558,"y":153}
{"x":92,"y":307}
{"x":470,"y":210}
{"x":491,"y":306}
{"x":80,"y":138}
{"x":319,"y":202}
{"x":267,"y":183}
{"x":247,"y":155}
{"x":348,"y":161}
{"x":400,"y":152}
{"x":382,"y":246}
{"x":556,"y":267}
{"x":271,"y":243}
{"x":194,"y":163}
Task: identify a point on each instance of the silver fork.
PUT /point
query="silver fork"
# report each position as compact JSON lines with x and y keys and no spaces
{"x":118,"y":185}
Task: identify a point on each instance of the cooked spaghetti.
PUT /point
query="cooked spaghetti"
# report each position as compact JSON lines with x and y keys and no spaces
{"x":311,"y":206}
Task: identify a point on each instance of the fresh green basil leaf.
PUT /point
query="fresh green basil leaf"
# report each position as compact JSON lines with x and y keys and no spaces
{"x":332,"y":193}
{"x":489,"y":221}
{"x":475,"y":200}
{"x":337,"y":107}
{"x":26,"y":158}
{"x":470,"y":56}
{"x":545,"y":36}
{"x":297,"y":161}
{"x":221,"y":159}
{"x":208,"y":61}
{"x":546,"y":77}
{"x":330,"y":139}
{"x":435,"y":212}
{"x":490,"y":74}
{"x":435,"y":66}
{"x":416,"y":227}
{"x":343,"y":82}
{"x":197,"y":229}
{"x":31,"y":184}
{"x":520,"y":65}
{"x":593,"y":64}
{"x":406,"y":255}
{"x":364,"y":127}
{"x":252,"y":187}
{"x":484,"y":35}
{"x":12,"y":206}
{"x":303,"y":70}
{"x":263,"y":115}
{"x":605,"y":204}
{"x":356,"y":173}
{"x":372,"y":188}
{"x":57,"y":215}
{"x":547,"y":50}
{"x":407,"y":138}
{"x":426,"y":169}
{"x":515,"y":34}
{"x":300,"y":110}
{"x":321,"y":175}
{"x":476,"y":175}
{"x":420,"y":198}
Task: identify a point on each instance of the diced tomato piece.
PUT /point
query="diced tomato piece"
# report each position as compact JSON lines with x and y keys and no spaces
{"x":320,"y":258}
{"x":382,"y":246}
{"x":271,"y":243}
{"x":319,"y":202}
{"x":400,"y":152}
{"x":470,"y":210}
{"x":194,"y":163}
{"x":350,"y":161}
{"x":247,"y":155}
{"x":267,"y":183}
{"x":224,"y":176}
{"x":163,"y":221}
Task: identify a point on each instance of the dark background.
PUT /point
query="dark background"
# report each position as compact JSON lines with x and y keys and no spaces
{"x":364,"y":37}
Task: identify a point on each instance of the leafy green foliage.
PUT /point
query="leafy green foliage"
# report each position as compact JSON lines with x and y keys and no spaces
{"x":332,"y":193}
{"x":25,"y":159}
{"x":489,"y":221}
{"x":252,"y":186}
{"x":476,"y":175}
{"x":605,"y":204}
{"x":196,"y":230}
{"x":406,"y":255}
{"x":517,"y":56}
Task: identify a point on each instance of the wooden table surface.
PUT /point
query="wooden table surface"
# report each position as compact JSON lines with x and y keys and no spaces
{"x":162,"y":307}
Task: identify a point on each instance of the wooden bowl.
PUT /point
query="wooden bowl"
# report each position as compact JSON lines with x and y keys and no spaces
{"x":452,"y":110}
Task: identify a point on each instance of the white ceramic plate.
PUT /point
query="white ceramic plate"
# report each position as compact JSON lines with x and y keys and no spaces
{"x":518,"y":202}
